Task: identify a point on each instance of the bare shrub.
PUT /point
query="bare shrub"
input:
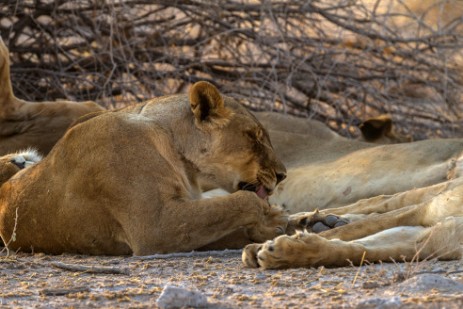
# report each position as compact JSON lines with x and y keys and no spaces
{"x":336,"y":61}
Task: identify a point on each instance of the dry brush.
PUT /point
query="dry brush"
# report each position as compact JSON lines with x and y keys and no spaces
{"x":336,"y":61}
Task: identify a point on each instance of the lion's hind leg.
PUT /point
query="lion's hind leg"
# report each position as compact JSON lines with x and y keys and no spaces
{"x":326,"y":219}
{"x":404,"y":243}
{"x":442,"y":241}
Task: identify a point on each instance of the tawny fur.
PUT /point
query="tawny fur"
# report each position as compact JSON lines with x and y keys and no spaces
{"x":26,"y":124}
{"x":403,"y":201}
{"x":326,"y":170}
{"x":13,"y":163}
{"x":417,"y":224}
{"x":127,"y":182}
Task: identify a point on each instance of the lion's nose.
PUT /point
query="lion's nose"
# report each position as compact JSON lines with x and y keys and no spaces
{"x":280,"y":177}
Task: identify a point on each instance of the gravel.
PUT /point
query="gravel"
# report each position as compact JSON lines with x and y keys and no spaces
{"x":220,"y":280}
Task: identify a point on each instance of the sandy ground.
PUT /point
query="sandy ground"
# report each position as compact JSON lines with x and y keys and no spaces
{"x":41,"y":281}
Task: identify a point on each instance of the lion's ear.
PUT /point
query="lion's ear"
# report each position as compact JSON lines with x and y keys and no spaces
{"x":375,"y":128}
{"x":207,"y":105}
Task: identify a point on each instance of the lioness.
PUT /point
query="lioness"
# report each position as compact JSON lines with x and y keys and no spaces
{"x":414,"y":225}
{"x":326,"y":170}
{"x":378,"y":130}
{"x":126,"y":181}
{"x":423,"y":220}
{"x":26,"y":124}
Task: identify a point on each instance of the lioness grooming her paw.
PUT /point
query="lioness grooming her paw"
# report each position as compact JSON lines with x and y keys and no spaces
{"x":127,"y":182}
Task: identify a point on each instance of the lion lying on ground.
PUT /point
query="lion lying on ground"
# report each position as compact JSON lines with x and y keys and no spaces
{"x":414,"y":225}
{"x":28,"y":124}
{"x":425,"y":221}
{"x":378,"y":130}
{"x":126,"y":181}
{"x":407,"y":202}
{"x":326,"y":170}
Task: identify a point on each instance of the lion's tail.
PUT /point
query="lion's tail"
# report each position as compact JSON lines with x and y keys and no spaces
{"x":7,"y":98}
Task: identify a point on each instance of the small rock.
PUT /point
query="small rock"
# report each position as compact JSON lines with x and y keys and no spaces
{"x":178,"y":297}
{"x":426,"y":282}
{"x":370,"y":285}
{"x":380,"y":303}
{"x":261,"y":276}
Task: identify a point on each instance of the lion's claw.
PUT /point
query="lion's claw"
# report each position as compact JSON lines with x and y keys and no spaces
{"x":249,"y":256}
{"x":315,"y":222}
{"x":273,"y":224}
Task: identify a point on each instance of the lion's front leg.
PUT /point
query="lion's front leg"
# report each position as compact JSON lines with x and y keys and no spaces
{"x":312,"y":250}
{"x":359,"y":225}
{"x":327,"y":219}
{"x":300,"y":250}
{"x":209,"y":224}
{"x":273,"y":224}
{"x":403,"y":243}
{"x":317,"y":222}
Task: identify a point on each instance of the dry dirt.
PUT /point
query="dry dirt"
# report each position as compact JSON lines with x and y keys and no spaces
{"x":41,"y":281}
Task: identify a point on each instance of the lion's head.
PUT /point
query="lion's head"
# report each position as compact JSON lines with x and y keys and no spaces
{"x":237,"y":153}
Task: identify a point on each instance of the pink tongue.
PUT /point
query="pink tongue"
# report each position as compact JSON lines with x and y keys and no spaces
{"x":261,"y":192}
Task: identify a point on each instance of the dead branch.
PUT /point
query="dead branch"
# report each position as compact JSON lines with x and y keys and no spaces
{"x":336,"y":61}
{"x":64,"y":291}
{"x":92,"y":269}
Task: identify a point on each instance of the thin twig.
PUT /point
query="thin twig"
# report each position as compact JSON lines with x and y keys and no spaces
{"x":64,"y":291}
{"x":13,"y":234}
{"x":92,"y":269}
{"x":219,"y":253}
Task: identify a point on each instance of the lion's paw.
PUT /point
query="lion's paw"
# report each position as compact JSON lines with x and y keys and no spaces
{"x":299,"y":250}
{"x":249,"y":255}
{"x":12,"y":163}
{"x":273,"y":224}
{"x":272,"y":254}
{"x":277,"y":217}
{"x":314,"y":222}
{"x":281,"y":252}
